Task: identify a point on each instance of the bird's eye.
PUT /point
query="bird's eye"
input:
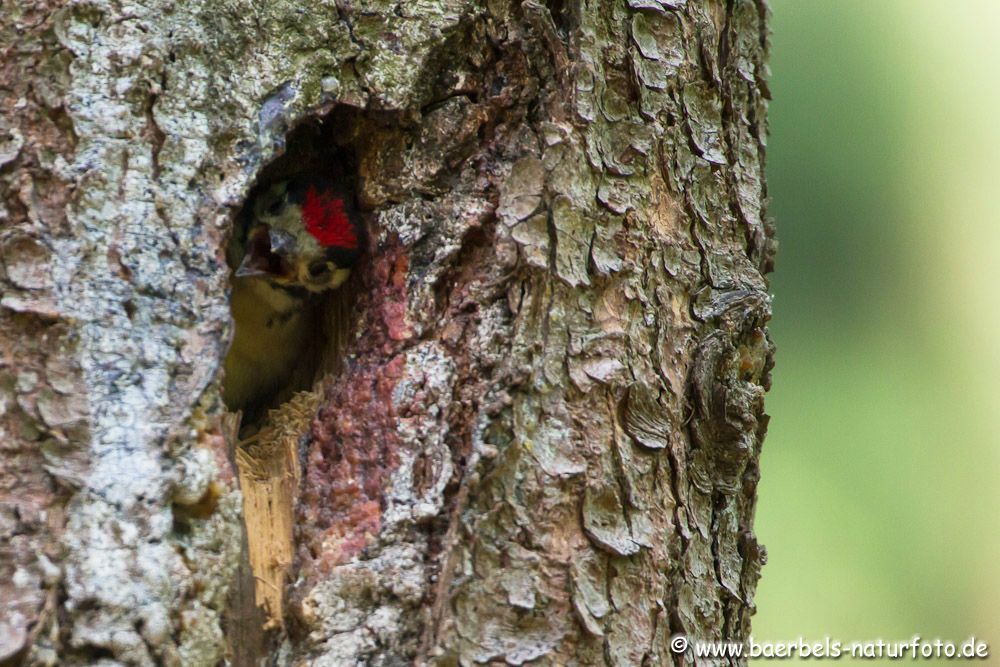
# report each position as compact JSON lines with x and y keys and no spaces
{"x":318,"y":269}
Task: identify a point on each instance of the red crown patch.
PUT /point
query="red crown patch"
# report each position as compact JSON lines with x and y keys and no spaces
{"x":326,"y":219}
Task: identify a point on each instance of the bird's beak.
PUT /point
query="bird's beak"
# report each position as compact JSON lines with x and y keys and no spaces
{"x":282,"y":243}
{"x":249,"y":268}
{"x":266,"y":250}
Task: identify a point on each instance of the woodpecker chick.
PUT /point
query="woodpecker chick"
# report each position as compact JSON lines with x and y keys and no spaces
{"x":303,"y":237}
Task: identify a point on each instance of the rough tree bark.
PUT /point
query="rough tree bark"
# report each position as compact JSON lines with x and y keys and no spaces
{"x":542,"y":445}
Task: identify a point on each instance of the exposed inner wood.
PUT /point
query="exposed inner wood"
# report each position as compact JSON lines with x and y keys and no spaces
{"x":269,"y":470}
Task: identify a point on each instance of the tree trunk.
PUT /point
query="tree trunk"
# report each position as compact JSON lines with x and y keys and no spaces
{"x":541,"y":439}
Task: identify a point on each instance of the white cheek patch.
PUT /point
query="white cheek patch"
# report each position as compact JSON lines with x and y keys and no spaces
{"x":339,"y":276}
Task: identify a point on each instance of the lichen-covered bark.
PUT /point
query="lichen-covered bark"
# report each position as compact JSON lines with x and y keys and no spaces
{"x":543,"y":441}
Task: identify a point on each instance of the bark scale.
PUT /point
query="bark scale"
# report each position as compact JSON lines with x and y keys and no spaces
{"x":543,"y":441}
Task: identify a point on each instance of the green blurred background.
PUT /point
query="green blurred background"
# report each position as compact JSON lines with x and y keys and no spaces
{"x":880,"y":495}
